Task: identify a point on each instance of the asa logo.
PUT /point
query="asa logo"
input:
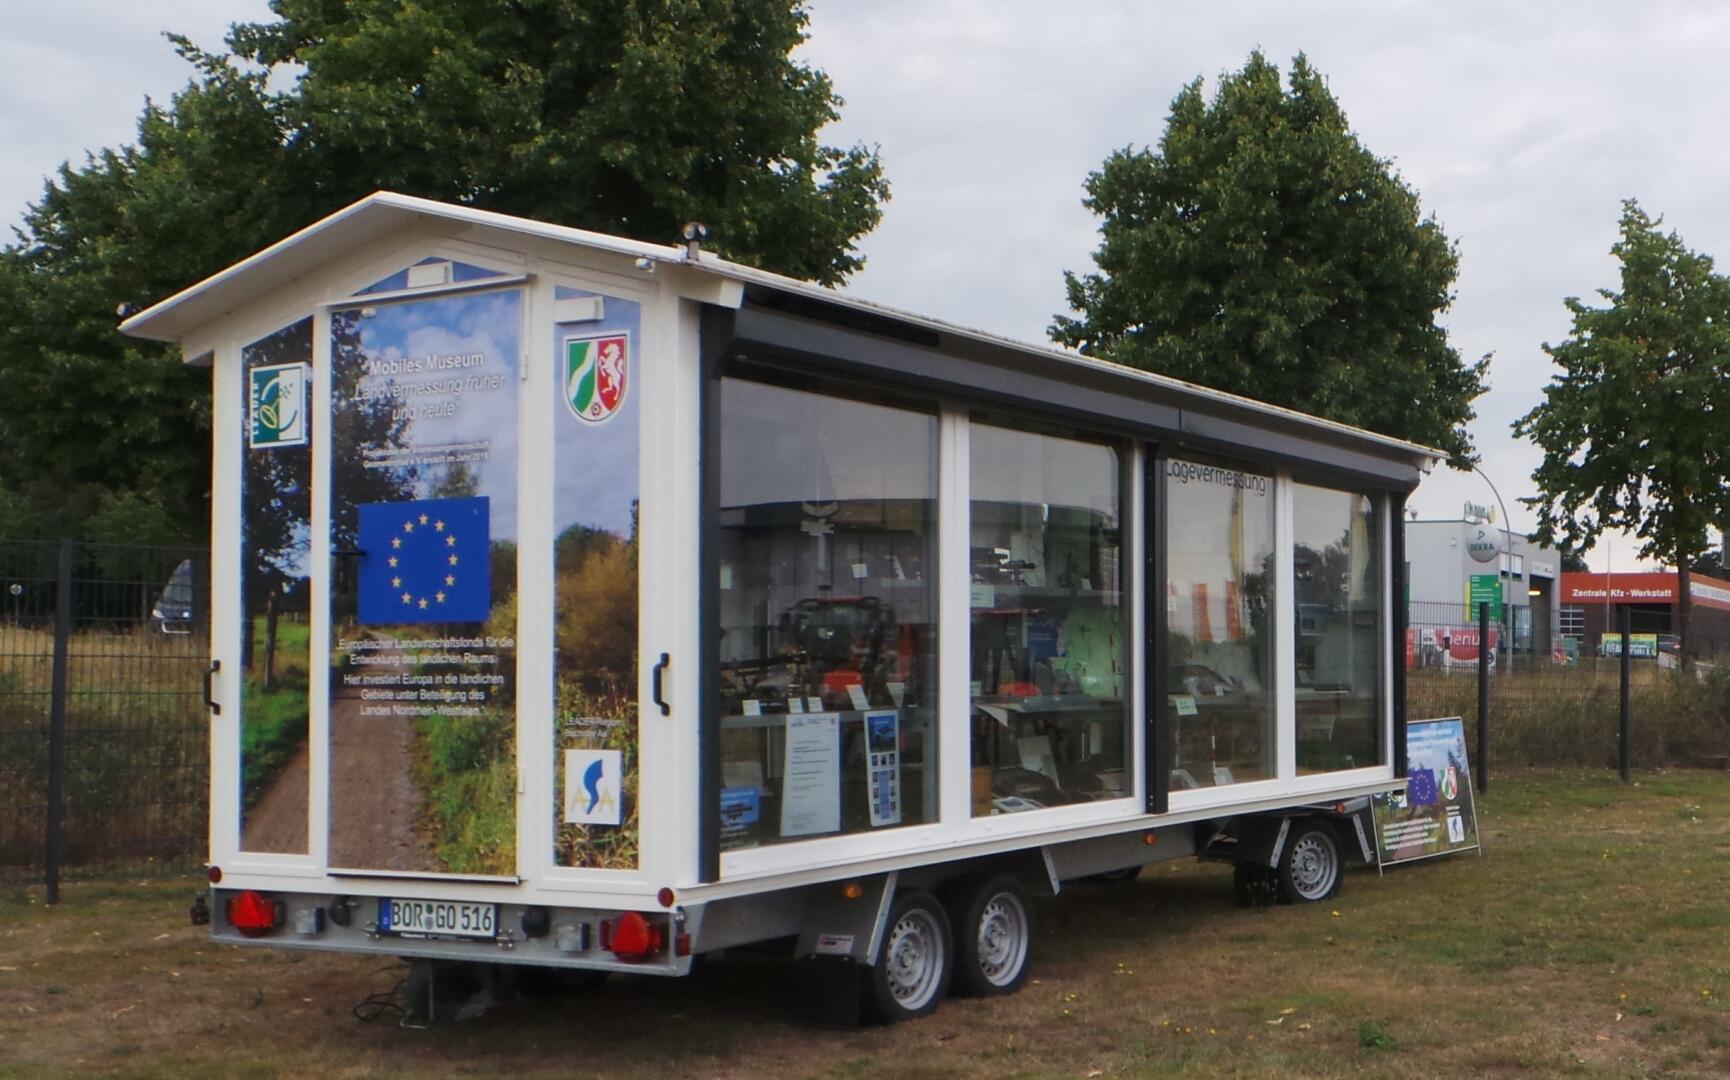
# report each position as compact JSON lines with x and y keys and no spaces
{"x":597,"y":375}
{"x":593,"y":794}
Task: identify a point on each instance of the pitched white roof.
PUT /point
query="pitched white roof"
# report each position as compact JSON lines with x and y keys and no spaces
{"x":384,"y":213}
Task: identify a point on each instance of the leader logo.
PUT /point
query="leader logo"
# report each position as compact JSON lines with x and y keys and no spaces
{"x":276,"y":400}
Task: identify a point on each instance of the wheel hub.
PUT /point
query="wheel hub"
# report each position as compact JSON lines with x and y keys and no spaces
{"x":1002,"y":939}
{"x":914,"y":967}
{"x":1312,"y":867}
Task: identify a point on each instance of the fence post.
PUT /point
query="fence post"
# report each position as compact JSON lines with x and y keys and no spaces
{"x":1623,"y":752}
{"x":1483,"y":769}
{"x":57,"y":723}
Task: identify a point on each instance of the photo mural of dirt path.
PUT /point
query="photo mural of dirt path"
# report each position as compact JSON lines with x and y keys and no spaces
{"x":277,"y":823}
{"x":375,"y":805}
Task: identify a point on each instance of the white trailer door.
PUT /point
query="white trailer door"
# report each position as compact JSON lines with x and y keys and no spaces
{"x":423,"y":495}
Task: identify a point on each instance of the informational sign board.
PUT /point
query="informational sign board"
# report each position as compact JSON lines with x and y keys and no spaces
{"x":1640,"y":646}
{"x":1484,"y":589}
{"x":1434,"y":815}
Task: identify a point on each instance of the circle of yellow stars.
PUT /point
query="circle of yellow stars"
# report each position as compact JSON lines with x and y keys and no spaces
{"x":438,"y":597}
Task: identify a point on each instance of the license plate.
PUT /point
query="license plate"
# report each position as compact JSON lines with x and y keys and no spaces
{"x":438,"y":917}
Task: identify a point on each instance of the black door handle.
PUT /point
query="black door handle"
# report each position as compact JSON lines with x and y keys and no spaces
{"x":209,"y":697}
{"x":659,"y":698}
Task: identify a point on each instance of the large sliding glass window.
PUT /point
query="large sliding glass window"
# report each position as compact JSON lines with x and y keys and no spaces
{"x":1337,"y":582}
{"x":827,"y":557}
{"x":1050,"y":664}
{"x":1220,"y":634}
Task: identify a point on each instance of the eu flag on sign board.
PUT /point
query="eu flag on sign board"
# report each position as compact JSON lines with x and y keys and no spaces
{"x":426,"y":560}
{"x":1421,"y":787}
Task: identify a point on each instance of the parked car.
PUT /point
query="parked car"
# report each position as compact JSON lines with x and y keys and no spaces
{"x":172,"y":612}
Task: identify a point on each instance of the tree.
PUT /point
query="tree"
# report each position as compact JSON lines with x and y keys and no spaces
{"x":1635,"y":427}
{"x":1709,"y":563}
{"x":628,"y":118}
{"x":1264,"y":251}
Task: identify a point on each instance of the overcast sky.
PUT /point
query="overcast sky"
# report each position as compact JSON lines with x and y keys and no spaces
{"x":1521,"y":126}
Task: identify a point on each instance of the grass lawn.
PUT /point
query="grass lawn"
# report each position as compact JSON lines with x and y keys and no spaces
{"x":1592,"y":940}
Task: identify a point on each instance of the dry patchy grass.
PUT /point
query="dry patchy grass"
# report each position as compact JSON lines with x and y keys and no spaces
{"x":1591,"y":940}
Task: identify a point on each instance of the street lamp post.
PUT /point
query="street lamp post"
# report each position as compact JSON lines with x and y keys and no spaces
{"x":1508,"y":554}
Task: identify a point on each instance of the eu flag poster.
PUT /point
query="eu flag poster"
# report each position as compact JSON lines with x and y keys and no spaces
{"x":1434,"y":815}
{"x":425,"y":561}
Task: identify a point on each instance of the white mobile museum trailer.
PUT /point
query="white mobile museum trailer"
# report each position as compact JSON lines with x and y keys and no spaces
{"x":596,"y":605}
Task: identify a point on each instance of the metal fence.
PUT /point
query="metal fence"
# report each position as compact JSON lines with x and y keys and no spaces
{"x":1558,"y":702}
{"x":103,"y":727}
{"x":1444,"y":635}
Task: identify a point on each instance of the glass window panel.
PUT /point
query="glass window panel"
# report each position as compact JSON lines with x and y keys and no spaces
{"x":423,"y":505}
{"x":275,"y":537}
{"x":596,"y":486}
{"x":1336,"y":576}
{"x":827,"y":603}
{"x":1219,"y":636}
{"x":1049,"y":667}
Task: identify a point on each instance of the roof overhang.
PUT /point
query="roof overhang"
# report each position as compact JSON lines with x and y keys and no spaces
{"x":1209,"y":415}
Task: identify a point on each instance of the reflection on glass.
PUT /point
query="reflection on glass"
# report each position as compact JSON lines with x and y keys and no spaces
{"x":595,"y":425}
{"x":424,"y":570}
{"x":827,"y":603}
{"x":276,"y":650}
{"x":1049,"y":656}
{"x":1219,"y":644}
{"x":1336,"y":578}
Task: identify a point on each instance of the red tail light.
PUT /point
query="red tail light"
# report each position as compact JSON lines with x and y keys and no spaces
{"x":631,"y":938}
{"x":253,"y":913}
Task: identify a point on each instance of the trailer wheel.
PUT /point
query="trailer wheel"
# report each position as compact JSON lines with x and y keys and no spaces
{"x":911,"y":973}
{"x":993,"y":936}
{"x":1309,"y":869}
{"x":1253,"y":885}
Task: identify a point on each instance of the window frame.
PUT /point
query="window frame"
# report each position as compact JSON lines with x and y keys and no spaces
{"x":842,"y":847}
{"x":1130,"y":460}
{"x":1142,"y":517}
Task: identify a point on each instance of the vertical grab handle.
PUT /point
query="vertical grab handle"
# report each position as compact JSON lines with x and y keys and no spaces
{"x":210,"y":701}
{"x":659,"y":697}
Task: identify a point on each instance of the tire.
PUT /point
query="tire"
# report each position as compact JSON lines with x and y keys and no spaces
{"x":911,"y":973}
{"x":993,"y":937}
{"x":1310,"y":866}
{"x":1252,"y":885}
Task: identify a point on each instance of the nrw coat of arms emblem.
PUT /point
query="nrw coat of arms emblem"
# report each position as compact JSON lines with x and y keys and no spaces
{"x":597,"y":374}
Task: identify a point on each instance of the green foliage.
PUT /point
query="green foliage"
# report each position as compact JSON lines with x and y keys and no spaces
{"x":596,"y":600}
{"x":627,"y":118}
{"x":14,"y":515}
{"x":632,"y":117}
{"x":1568,"y":716}
{"x":1615,"y":454}
{"x":1373,"y":1035}
{"x":1635,"y":428}
{"x":467,"y":771}
{"x":275,"y":727}
{"x":85,"y":407}
{"x":601,"y":846}
{"x":129,"y":517}
{"x":274,"y":718}
{"x":1264,"y":251}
